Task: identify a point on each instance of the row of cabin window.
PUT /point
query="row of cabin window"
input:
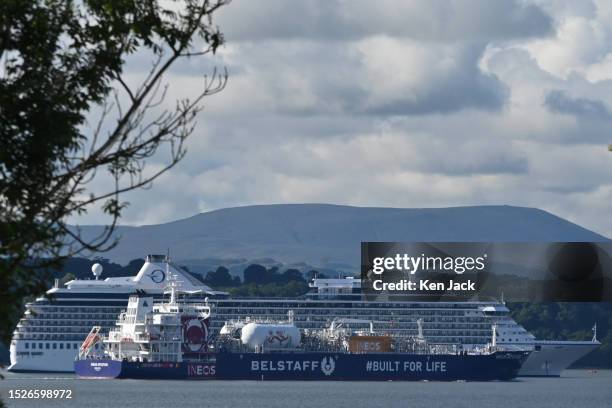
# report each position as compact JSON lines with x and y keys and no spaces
{"x":54,"y":346}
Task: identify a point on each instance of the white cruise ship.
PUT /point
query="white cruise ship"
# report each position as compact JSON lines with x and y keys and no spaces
{"x":53,"y":327}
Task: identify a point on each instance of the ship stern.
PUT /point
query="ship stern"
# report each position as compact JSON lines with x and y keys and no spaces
{"x":98,"y":368}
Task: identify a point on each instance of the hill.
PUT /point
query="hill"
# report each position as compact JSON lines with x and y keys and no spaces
{"x":328,"y":236}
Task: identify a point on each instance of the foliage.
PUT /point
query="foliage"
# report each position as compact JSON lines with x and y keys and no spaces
{"x":221,"y":278}
{"x":262,"y":282}
{"x":67,"y":278}
{"x":255,"y":273}
{"x":259,"y":275}
{"x":60,"y":61}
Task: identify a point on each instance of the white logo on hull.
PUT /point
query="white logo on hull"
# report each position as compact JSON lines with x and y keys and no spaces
{"x":328,"y":365}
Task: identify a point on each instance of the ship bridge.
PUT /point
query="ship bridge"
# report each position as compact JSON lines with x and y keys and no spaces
{"x":494,"y":310}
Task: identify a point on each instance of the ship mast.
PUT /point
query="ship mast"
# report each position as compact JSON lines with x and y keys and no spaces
{"x":494,"y":338}
{"x":173,"y":282}
{"x":420,"y":329}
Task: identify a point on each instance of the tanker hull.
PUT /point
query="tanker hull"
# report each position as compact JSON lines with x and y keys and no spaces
{"x":107,"y":368}
{"x":368,"y":367}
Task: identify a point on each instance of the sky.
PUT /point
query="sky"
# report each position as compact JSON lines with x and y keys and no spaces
{"x":398,"y":104}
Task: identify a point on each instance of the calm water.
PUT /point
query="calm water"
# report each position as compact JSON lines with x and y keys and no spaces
{"x":576,"y":389}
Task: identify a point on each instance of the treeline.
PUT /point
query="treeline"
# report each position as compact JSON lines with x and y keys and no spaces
{"x":261,"y":281}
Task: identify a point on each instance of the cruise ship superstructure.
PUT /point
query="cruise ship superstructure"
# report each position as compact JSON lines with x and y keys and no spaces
{"x":53,"y":327}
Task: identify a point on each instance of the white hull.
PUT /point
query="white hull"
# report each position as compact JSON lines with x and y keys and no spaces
{"x":45,"y":360}
{"x":554,"y":357}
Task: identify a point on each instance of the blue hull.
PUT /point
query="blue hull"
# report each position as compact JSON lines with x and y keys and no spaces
{"x":318,"y":366}
{"x":369,"y":367}
{"x":146,"y":371}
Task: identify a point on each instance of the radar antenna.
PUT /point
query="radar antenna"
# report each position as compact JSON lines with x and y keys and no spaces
{"x":96,"y":269}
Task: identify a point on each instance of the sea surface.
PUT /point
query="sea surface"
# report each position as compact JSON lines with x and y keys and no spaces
{"x":576,"y":389}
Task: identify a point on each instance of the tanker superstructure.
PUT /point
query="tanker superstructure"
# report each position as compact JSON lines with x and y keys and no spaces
{"x":167,"y":340}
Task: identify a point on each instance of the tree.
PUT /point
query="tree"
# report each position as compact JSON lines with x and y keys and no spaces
{"x":255,"y":273}
{"x":272,"y":275}
{"x":60,"y":62}
{"x":292,"y":274}
{"x":221,"y":278}
{"x":67,"y":278}
{"x":133,"y":267}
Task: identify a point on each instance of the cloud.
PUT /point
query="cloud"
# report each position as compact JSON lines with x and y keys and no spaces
{"x":413,"y":78}
{"x":582,"y":40}
{"x":341,"y":20}
{"x":379,"y":75}
{"x":405,"y":104}
{"x":559,"y":102}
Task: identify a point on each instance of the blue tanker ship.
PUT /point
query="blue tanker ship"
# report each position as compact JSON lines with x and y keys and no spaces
{"x":170,"y":341}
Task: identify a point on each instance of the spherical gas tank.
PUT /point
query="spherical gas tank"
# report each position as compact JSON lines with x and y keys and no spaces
{"x":232,"y":329}
{"x":271,"y":335}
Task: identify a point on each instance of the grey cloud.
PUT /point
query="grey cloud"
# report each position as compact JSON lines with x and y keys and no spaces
{"x":571,"y":189}
{"x":455,"y":161}
{"x":480,"y":92}
{"x":580,"y":108}
{"x":338,"y":80}
{"x":559,"y":101}
{"x":463,"y":88}
{"x":435,"y":20}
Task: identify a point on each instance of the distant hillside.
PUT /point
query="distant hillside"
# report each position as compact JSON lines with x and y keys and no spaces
{"x":328,"y":236}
